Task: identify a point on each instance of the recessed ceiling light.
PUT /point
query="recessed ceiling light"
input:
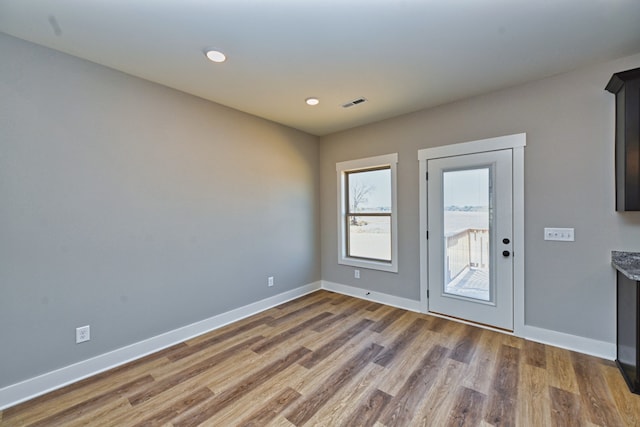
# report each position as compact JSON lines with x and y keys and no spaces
{"x":312,"y":101}
{"x":216,"y":56}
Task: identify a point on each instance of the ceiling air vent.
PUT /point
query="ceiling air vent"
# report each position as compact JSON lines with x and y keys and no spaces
{"x":354,"y":102}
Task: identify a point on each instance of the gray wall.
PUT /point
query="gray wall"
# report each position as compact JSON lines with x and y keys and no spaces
{"x":569,"y":182}
{"x":136,"y":209}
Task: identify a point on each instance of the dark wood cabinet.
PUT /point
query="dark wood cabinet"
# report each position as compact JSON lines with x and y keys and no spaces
{"x":628,"y":326}
{"x":626,"y":87}
{"x":627,"y":265}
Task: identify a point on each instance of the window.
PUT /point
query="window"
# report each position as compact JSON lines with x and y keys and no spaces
{"x":367,"y":221}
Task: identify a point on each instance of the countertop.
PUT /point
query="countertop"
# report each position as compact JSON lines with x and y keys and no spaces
{"x":627,"y":263}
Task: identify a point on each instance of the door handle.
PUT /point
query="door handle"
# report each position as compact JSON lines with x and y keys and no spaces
{"x":506,"y":253}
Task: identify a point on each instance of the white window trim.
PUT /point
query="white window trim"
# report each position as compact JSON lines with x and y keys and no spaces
{"x":390,"y":160}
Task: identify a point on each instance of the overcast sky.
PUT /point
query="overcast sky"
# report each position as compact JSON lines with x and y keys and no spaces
{"x":466,"y":187}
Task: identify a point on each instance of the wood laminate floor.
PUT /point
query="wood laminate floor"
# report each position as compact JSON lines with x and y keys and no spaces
{"x":331,"y":360}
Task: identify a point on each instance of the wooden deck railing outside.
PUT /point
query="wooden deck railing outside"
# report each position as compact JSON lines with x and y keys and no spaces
{"x":466,"y":248}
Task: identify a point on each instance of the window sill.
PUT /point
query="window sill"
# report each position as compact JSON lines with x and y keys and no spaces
{"x":372,"y":265}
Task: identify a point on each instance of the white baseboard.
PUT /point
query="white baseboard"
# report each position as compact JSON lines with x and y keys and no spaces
{"x":577,"y":343}
{"x":33,"y":387}
{"x":394,"y":301}
{"x":602,"y":349}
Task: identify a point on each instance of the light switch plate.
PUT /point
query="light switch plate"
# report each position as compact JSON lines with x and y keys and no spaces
{"x":560,"y":234}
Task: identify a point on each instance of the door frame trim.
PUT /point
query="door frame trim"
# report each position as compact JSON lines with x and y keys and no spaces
{"x":516,"y":143}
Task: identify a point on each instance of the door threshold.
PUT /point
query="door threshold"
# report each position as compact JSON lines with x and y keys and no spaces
{"x":469,"y":322}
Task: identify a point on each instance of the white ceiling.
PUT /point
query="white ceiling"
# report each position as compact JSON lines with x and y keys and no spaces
{"x":402,"y":55}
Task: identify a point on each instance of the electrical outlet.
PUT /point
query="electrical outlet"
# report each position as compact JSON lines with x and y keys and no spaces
{"x":270,"y":281}
{"x":356,"y":274}
{"x":83,"y":334}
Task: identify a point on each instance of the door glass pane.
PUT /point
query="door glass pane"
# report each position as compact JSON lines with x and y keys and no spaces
{"x":466,"y":195}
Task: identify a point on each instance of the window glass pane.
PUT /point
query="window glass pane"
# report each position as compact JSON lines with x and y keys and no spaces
{"x":370,"y":237}
{"x":370,"y":191}
{"x":466,"y":196}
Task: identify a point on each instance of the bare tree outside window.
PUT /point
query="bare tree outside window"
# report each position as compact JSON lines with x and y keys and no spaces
{"x":358,"y":194}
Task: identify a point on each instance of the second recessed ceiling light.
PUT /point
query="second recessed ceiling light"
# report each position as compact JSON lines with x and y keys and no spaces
{"x":216,"y":56}
{"x":312,"y":101}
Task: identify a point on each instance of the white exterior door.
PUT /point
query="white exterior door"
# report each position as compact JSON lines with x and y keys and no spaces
{"x":470,"y":237}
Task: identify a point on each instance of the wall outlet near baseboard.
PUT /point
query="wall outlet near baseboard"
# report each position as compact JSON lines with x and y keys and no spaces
{"x":83,"y":333}
{"x":356,"y":274}
{"x":270,"y":281}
